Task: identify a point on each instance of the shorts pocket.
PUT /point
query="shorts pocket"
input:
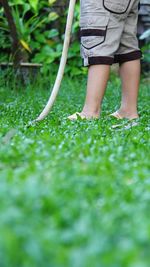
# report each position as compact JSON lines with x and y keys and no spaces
{"x":116,"y":6}
{"x":93,"y":28}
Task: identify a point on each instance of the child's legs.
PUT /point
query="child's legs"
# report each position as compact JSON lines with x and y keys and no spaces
{"x":98,"y":76}
{"x":130,"y":76}
{"x":99,"y":40}
{"x":107,"y":38}
{"x":128,"y":55}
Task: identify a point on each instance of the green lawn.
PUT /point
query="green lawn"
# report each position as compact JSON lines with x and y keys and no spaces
{"x":72,"y":194}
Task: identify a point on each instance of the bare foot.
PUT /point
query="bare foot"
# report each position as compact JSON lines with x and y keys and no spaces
{"x":119,"y":114}
{"x":82,"y":115}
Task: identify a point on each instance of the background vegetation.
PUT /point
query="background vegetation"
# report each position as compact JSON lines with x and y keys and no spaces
{"x":40,"y":26}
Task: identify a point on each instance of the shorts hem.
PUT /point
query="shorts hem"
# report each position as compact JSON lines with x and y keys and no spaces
{"x":121,"y":58}
{"x":97,"y":61}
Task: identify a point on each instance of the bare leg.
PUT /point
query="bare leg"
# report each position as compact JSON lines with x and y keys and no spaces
{"x":130,"y":76}
{"x":98,"y":76}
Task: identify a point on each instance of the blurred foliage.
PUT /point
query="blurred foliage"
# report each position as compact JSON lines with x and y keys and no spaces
{"x":146,"y":52}
{"x":145,"y":47}
{"x":41,"y":34}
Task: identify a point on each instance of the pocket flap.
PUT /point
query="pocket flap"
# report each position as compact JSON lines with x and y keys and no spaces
{"x":94,"y":20}
{"x":117,"y":7}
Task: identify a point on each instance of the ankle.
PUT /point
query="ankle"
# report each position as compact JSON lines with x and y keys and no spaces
{"x":91,"y":111}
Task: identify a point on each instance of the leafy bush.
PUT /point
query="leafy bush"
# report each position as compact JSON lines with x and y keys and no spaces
{"x":38,"y":35}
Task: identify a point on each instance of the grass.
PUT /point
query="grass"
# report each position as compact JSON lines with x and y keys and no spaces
{"x":72,"y":194}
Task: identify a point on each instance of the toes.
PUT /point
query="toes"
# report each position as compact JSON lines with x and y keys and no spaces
{"x":77,"y":115}
{"x":116,"y":115}
{"x":73,"y":116}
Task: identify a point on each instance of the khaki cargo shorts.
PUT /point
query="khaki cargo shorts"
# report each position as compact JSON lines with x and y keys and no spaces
{"x":108,"y":31}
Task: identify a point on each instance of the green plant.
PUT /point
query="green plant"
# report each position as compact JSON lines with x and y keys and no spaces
{"x":52,"y":51}
{"x":28,"y":17}
{"x":26,"y":27}
{"x":40,"y":37}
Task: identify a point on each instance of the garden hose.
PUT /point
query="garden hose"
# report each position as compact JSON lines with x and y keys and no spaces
{"x":62,"y":65}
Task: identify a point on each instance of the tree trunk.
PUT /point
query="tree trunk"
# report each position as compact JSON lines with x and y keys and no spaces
{"x":16,"y":47}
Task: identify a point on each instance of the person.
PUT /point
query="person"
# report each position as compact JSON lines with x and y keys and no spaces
{"x":108,"y":30}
